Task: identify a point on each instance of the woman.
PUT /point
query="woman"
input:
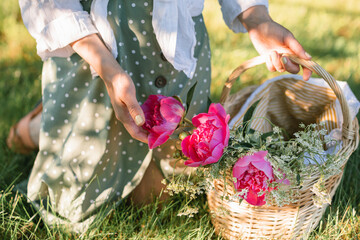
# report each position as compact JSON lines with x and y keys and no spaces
{"x":92,"y":148}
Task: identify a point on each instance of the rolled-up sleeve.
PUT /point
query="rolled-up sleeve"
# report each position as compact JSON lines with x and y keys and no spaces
{"x":55,"y":24}
{"x":232,"y":8}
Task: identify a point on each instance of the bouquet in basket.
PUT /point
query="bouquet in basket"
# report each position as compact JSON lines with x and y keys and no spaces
{"x":264,"y":168}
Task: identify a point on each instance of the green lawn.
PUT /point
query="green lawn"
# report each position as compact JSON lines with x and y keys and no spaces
{"x":329,"y":31}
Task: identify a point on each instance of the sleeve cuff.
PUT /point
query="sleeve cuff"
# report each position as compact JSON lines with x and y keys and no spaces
{"x":231,"y":9}
{"x":59,"y":33}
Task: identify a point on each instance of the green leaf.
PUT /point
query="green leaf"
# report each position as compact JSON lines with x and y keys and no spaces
{"x":266,"y":135}
{"x":209,"y":102}
{"x":250,"y":111}
{"x":248,"y":116}
{"x":190,"y":96}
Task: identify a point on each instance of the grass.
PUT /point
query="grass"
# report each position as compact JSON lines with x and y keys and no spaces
{"x":328,"y":30}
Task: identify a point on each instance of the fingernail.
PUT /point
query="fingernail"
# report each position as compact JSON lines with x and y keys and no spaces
{"x":308,"y":55}
{"x":138,"y":120}
{"x":284,"y":60}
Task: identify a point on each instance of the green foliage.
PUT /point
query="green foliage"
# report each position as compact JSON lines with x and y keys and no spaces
{"x":329,"y":31}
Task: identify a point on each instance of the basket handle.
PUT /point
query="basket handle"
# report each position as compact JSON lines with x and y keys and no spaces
{"x":347,"y":127}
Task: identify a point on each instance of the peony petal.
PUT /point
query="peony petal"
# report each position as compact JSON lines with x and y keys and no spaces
{"x":259,"y":161}
{"x":191,"y":163}
{"x":156,"y":140}
{"x":217,"y":109}
{"x":253,"y":198}
{"x":171,"y":109}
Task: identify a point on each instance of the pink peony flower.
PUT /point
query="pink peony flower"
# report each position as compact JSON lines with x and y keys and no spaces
{"x":162,"y":116}
{"x":211,"y":136}
{"x":253,"y":172}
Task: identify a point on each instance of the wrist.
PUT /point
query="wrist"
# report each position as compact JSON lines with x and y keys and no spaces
{"x":253,"y":17}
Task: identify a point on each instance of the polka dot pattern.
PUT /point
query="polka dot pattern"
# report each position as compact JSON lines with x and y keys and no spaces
{"x":86,"y":156}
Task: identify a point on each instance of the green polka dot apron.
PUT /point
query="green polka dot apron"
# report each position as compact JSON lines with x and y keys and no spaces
{"x":87,"y":161}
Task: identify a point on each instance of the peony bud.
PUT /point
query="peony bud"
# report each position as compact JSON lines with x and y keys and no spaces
{"x":183,"y":135}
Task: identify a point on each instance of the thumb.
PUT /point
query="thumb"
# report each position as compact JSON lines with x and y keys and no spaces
{"x":296,"y":47}
{"x":135,"y":110}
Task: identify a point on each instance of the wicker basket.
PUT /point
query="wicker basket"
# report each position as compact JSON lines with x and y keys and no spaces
{"x":295,"y":221}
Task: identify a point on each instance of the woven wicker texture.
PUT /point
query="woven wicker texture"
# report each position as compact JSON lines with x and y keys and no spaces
{"x":296,"y":221}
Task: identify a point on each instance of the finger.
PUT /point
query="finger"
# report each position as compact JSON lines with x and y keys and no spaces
{"x":306,"y":74}
{"x":296,"y":47}
{"x":275,"y":59}
{"x":269,"y":64}
{"x":123,"y":115}
{"x":290,"y":66}
{"x":136,"y":132}
{"x":134,"y":109}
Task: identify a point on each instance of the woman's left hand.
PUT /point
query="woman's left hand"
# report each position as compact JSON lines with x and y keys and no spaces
{"x":271,"y":39}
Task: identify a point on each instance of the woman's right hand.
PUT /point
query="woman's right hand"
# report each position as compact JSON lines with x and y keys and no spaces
{"x":119,"y":85}
{"x":121,"y":90}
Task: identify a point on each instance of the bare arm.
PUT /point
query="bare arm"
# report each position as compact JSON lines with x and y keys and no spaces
{"x":271,"y":39}
{"x":119,"y":85}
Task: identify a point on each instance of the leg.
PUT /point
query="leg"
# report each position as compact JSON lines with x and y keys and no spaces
{"x":149,"y":187}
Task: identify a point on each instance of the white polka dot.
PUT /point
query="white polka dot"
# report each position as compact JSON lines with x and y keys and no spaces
{"x":152,"y":71}
{"x":160,"y":65}
{"x":119,"y":6}
{"x":73,"y":75}
{"x":159,"y":149}
{"x":89,"y":162}
{"x":142,"y":75}
{"x":92,"y":201}
{"x":69,"y":112}
{"x":123,"y":152}
{"x":94,"y":100}
{"x":133,"y":51}
{"x":121,"y":44}
{"x":82,"y":152}
{"x":143,"y":32}
{"x":110,"y":13}
{"x":45,"y":153}
{"x":104,"y":179}
{"x":86,"y":174}
{"x":133,"y":5}
{"x":101,"y":94}
{"x":52,"y":118}
{"x":97,"y":190}
{"x":130,"y":158}
{"x":144,"y":57}
{"x":59,"y":69}
{"x":139,"y":162}
{"x":158,"y":91}
{"x":58,"y":131}
{"x":120,"y":169}
{"x":142,"y":21}
{"x":84,"y":67}
{"x":150,"y":83}
{"x":181,"y":86}
{"x":96,"y":115}
{"x":153,"y":53}
{"x":66,"y":95}
{"x":116,"y":152}
{"x":91,"y":147}
{"x":148,"y":44}
{"x":120,"y":133}
{"x":120,"y":143}
{"x":141,"y":144}
{"x":137,"y":62}
{"x":138,"y":84}
{"x":118,"y":193}
{"x":134,"y":39}
{"x":131,"y":140}
{"x":97,"y":130}
{"x":129,"y":170}
{"x":76,"y":89}
{"x":75,"y":160}
{"x":146,"y":4}
{"x":131,"y":21}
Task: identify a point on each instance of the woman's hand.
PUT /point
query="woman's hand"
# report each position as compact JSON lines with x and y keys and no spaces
{"x":271,"y":39}
{"x":119,"y":85}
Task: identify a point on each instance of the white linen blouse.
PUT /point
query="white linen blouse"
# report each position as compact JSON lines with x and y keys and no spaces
{"x":57,"y":23}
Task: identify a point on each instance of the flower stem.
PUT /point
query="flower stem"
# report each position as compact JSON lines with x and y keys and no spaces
{"x":187,"y":121}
